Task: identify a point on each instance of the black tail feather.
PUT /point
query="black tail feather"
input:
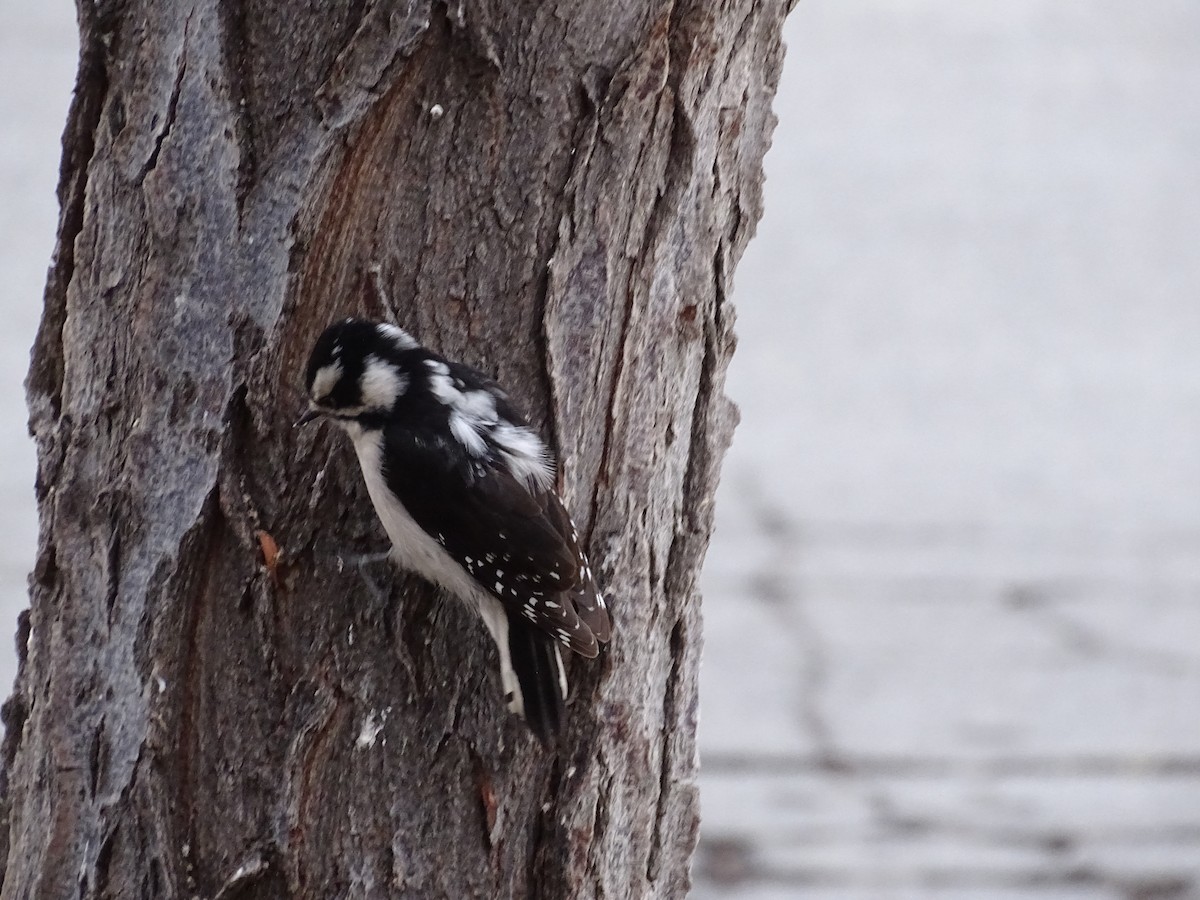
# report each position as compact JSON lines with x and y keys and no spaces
{"x":538,"y":667}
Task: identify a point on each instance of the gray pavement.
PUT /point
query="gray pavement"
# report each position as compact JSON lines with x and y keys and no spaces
{"x":953,"y":603}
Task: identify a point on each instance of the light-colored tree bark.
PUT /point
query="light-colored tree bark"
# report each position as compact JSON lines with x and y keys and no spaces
{"x":207,"y":704}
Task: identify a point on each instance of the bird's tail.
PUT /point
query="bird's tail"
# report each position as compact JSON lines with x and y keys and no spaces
{"x":540,"y":690}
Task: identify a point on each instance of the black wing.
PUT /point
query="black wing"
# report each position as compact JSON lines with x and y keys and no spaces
{"x":585,"y":595}
{"x":505,"y":534}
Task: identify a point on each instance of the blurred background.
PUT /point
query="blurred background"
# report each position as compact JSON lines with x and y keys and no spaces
{"x":953,"y":602}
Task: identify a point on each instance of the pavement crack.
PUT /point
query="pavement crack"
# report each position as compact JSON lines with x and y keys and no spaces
{"x":785,"y":594}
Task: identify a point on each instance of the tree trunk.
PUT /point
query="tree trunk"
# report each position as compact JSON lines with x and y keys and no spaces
{"x":208,"y":703}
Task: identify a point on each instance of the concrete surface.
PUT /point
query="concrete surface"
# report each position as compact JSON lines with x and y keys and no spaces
{"x":953,"y":603}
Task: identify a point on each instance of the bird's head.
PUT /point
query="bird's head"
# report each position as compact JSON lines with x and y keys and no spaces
{"x":357,"y":372}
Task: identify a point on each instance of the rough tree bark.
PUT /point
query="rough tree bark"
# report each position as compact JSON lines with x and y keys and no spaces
{"x":555,"y":192}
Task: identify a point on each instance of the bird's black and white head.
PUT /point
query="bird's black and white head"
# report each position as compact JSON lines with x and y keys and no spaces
{"x":357,"y":372}
{"x":369,"y":376}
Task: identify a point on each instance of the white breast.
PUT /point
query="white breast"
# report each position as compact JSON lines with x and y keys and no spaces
{"x":413,"y":548}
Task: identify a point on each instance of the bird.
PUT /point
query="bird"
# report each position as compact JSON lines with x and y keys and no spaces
{"x":465,"y":489}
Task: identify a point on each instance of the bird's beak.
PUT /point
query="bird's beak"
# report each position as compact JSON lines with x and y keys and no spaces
{"x":309,"y":416}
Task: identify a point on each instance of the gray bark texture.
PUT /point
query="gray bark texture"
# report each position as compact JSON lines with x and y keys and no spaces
{"x":208,"y":704}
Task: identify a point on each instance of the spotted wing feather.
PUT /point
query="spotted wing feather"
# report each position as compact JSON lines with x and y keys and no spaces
{"x":585,"y":594}
{"x":500,"y":530}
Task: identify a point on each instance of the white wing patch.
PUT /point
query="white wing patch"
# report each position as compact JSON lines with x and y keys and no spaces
{"x":472,"y":413}
{"x":467,"y":433}
{"x":525,"y":454}
{"x":473,"y":420}
{"x":478,"y":405}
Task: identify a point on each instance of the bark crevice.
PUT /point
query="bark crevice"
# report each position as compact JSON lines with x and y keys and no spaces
{"x":172,"y":109}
